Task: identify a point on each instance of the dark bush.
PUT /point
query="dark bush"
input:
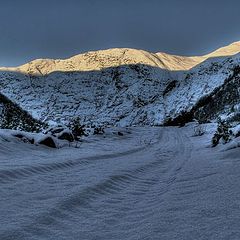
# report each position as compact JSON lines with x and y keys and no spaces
{"x":78,"y":129}
{"x":98,"y":130}
{"x":222,"y":132}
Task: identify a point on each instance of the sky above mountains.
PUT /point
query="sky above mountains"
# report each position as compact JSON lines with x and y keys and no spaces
{"x":33,"y":29}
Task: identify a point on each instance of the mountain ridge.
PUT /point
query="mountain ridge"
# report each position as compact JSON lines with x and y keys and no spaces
{"x":129,"y":87}
{"x":97,"y":60}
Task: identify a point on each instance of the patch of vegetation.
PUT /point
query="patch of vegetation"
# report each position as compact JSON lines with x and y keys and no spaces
{"x":77,"y":128}
{"x":222,"y":133}
{"x":98,"y":130}
{"x":13,"y":117}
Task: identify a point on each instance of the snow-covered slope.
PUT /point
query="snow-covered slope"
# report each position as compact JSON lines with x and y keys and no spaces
{"x":117,"y":86}
{"x":127,"y":94}
{"x":201,"y":81}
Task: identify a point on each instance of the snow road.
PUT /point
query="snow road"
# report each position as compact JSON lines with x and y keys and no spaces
{"x":152,"y":183}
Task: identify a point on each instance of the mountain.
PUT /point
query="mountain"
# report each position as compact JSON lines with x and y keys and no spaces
{"x":98,"y":60}
{"x":123,"y":86}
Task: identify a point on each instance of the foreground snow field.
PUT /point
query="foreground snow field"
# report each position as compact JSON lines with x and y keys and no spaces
{"x":150,"y":183}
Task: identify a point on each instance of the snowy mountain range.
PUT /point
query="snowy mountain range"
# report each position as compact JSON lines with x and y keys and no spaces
{"x":126,"y":87}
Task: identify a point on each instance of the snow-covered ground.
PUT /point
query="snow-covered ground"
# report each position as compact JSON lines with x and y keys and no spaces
{"x":150,"y":183}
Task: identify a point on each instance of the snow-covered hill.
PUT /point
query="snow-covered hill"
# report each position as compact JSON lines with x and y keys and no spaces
{"x":118,"y":86}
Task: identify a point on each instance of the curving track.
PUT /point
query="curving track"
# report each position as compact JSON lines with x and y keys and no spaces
{"x":107,"y":196}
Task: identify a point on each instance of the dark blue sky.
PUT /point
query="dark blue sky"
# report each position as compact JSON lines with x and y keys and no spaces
{"x":32,"y":29}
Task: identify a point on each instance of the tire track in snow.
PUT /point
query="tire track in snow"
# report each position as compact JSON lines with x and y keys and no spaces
{"x":23,"y":173}
{"x":126,"y":197}
{"x":147,"y":182}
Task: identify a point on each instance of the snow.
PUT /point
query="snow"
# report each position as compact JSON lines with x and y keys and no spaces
{"x":150,"y":183}
{"x":12,"y":136}
{"x":236,"y":129}
{"x":120,"y":87}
